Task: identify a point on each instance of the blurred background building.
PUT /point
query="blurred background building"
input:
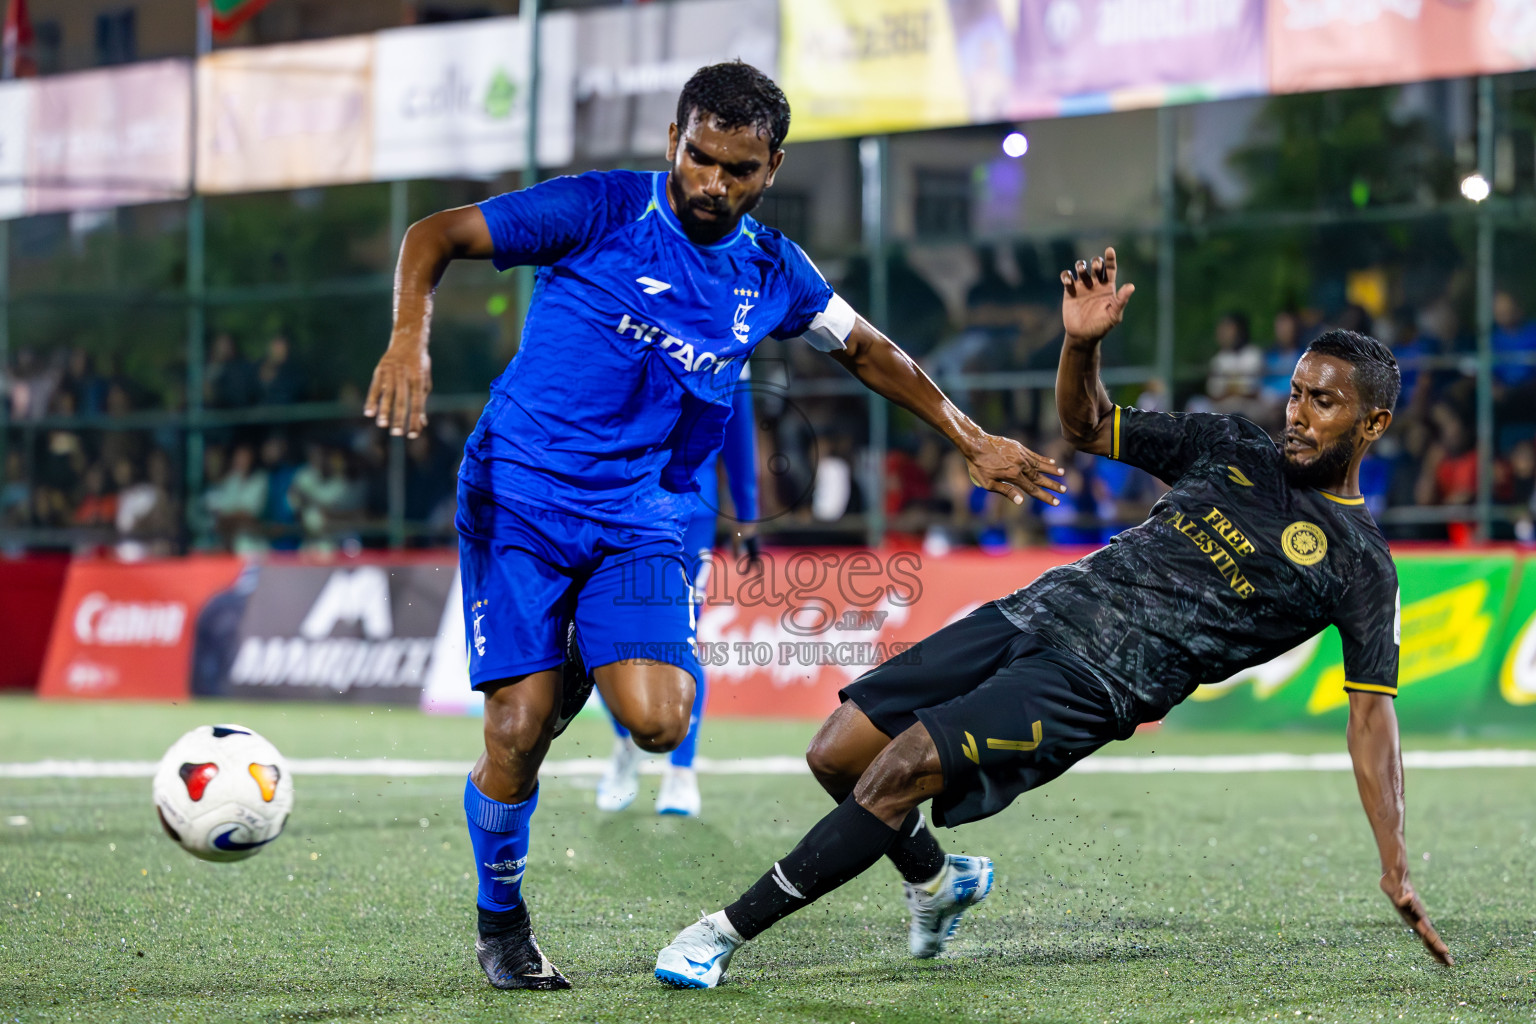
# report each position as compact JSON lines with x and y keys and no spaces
{"x":202,"y":211}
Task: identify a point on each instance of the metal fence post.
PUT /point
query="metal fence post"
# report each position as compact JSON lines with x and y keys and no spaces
{"x":1167,"y":246}
{"x":874,"y":162}
{"x":1485,"y":288}
{"x":399,"y":221}
{"x":197,"y":324}
{"x":525,"y":275}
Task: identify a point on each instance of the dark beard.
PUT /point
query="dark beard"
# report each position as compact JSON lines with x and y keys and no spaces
{"x":1329,"y":469}
{"x":705,"y":232}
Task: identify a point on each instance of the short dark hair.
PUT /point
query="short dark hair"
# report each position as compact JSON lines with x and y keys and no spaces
{"x":1377,"y":378}
{"x":738,"y":96}
{"x":1239,"y":319}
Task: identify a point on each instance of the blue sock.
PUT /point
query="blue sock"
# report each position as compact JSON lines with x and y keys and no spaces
{"x":498,"y":834}
{"x":682,"y":757}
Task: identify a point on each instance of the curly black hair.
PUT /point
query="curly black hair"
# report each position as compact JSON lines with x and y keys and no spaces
{"x":737,"y":95}
{"x":1377,"y":377}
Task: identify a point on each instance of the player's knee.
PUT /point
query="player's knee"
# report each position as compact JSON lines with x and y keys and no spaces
{"x":660,"y":730}
{"x":905,"y":774}
{"x":514,"y":728}
{"x":829,"y":763}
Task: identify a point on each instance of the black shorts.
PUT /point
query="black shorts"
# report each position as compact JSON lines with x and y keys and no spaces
{"x":1007,"y":712}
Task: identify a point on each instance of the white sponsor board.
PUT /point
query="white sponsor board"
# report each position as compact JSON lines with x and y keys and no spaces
{"x":110,"y":137}
{"x":631,"y":63}
{"x":285,"y":116}
{"x":16,"y":102}
{"x":452,"y":100}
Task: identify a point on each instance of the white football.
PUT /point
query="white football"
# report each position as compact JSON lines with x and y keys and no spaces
{"x":223,"y":792}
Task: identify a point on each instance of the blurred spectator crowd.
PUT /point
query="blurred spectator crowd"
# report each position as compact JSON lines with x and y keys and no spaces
{"x":96,"y":459}
{"x":1427,"y":463}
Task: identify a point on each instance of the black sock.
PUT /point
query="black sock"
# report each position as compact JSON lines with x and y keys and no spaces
{"x":493,"y":923}
{"x":839,"y":847}
{"x":917,"y":854}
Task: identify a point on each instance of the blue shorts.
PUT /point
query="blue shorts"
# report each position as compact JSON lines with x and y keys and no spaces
{"x":527,"y":571}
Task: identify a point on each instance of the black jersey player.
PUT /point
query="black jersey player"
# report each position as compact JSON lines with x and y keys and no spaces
{"x":1256,"y":547}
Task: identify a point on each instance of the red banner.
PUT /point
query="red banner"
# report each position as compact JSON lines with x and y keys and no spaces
{"x":125,"y":631}
{"x":29,"y":596}
{"x":782,"y":644}
{"x":1318,"y":44}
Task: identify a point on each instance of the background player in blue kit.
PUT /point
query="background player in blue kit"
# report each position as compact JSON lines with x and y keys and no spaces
{"x":679,"y":792}
{"x":580,"y":478}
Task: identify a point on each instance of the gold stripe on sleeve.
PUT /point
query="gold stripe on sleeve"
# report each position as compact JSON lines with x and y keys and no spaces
{"x":1390,"y":691}
{"x":1114,"y":445}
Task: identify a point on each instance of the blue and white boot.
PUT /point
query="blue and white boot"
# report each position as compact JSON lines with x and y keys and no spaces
{"x":699,"y":955}
{"x":938,"y":904}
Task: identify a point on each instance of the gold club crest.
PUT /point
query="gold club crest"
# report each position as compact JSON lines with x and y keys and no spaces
{"x":1304,"y":543}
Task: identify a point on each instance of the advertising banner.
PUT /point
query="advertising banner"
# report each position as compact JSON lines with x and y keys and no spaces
{"x":1088,"y":56}
{"x":447,"y":690}
{"x":1453,"y":645}
{"x":781,"y":644}
{"x":125,"y":630}
{"x":1517,"y":673}
{"x":16,"y":101}
{"x":855,"y":67}
{"x":1323,"y":44}
{"x":285,"y":116}
{"x":784,"y":645}
{"x":858,"y":67}
{"x":451,"y":100}
{"x":631,"y":63}
{"x":29,"y":598}
{"x":110,"y":137}
{"x":362,"y":633}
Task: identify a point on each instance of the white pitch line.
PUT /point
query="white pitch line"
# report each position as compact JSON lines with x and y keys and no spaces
{"x":1219,"y":764}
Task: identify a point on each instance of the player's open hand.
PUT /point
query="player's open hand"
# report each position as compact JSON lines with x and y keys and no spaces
{"x":1003,"y":465}
{"x":397,"y":397}
{"x":1400,"y":891}
{"x":1091,"y":302}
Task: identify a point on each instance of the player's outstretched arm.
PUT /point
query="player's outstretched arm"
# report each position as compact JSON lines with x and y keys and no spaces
{"x":1091,"y":305}
{"x":1374,"y":749}
{"x":999,"y":464}
{"x":397,"y":397}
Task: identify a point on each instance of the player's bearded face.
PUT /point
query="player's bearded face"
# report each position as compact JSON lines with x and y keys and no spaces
{"x":717,"y":176}
{"x":1324,"y":428}
{"x":1325,"y":469}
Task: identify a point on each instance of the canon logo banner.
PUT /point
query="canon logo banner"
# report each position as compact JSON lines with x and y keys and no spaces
{"x":101,"y":620}
{"x":124,"y":630}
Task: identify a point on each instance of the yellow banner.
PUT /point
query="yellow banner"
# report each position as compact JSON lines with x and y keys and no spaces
{"x":861,"y":67}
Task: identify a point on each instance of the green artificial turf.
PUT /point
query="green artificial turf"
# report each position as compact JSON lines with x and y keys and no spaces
{"x":1119,"y":898}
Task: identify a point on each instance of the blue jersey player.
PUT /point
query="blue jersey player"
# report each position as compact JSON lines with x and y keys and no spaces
{"x":578,"y":482}
{"x":679,"y":792}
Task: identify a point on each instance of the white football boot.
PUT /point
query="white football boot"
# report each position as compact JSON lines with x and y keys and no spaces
{"x":620,"y":784}
{"x":699,"y":955}
{"x":679,"y":793}
{"x":938,"y":905}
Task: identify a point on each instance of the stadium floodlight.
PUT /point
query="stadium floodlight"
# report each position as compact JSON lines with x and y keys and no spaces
{"x":1475,"y":187}
{"x":1015,"y":145}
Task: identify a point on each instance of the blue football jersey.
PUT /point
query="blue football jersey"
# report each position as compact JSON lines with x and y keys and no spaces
{"x":635,"y":341}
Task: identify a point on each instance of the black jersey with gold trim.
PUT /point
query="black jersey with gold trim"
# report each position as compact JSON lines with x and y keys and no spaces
{"x":1233,"y":567}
